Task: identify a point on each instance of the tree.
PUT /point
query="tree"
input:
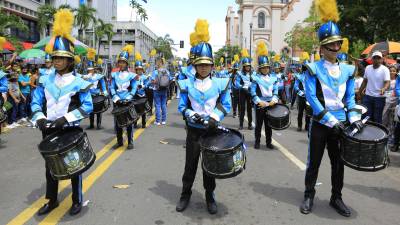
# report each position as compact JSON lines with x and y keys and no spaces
{"x":227,"y":52}
{"x":8,"y":21}
{"x":45,"y":18}
{"x":103,"y":29}
{"x":84,"y":17}
{"x":163,"y":46}
{"x":140,"y":11}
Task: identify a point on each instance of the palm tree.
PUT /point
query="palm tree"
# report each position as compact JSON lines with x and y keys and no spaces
{"x":103,"y":29}
{"x":163,"y":46}
{"x":108,"y":30}
{"x":140,"y":11}
{"x":8,"y":21}
{"x":84,"y":17}
{"x":143,"y":14}
{"x":45,"y":17}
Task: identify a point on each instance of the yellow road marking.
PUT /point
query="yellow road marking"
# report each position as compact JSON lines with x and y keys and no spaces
{"x":60,"y":211}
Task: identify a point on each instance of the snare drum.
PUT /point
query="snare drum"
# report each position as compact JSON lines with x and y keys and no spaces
{"x":125,"y":114}
{"x":67,"y":152}
{"x":366,"y":150}
{"x":142,"y":106}
{"x":101,"y":103}
{"x":223,"y":153}
{"x":278,"y":116}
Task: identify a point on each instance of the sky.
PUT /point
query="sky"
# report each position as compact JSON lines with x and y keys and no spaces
{"x":178,"y":17}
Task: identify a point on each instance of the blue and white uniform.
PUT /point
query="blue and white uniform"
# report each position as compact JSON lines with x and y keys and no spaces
{"x":46,"y":71}
{"x":243,"y":81}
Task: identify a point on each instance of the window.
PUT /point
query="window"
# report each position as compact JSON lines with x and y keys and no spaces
{"x":261,"y":20}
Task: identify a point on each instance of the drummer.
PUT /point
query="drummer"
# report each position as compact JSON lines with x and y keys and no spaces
{"x":301,"y":96}
{"x":264,"y":92}
{"x":49,"y":106}
{"x":196,"y":92}
{"x":3,"y":90}
{"x":98,"y":88}
{"x":123,"y":88}
{"x":142,"y":81}
{"x":329,"y":85}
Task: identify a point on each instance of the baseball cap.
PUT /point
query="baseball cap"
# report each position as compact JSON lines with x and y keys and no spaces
{"x":377,"y":53}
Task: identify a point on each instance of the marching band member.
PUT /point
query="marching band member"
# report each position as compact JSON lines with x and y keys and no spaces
{"x":264,"y":92}
{"x":62,"y":99}
{"x":243,"y":81}
{"x":301,"y":96}
{"x":142,"y":81}
{"x":49,"y":66}
{"x":123,"y":87}
{"x":234,"y":87}
{"x":197,"y":92}
{"x":329,"y":87}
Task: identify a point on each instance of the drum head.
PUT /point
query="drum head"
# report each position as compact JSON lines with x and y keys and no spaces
{"x":278,"y":111}
{"x":370,"y":132}
{"x":221,"y":141}
{"x":61,"y":140}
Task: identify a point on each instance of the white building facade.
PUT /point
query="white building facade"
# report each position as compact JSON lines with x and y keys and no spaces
{"x":264,"y":20}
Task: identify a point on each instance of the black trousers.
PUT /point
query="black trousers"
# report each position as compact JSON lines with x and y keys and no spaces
{"x":143,"y":120}
{"x":321,"y":136}
{"x":191,"y":162}
{"x":235,"y":100}
{"x":91,"y":118}
{"x":301,"y":108}
{"x":52,"y":184}
{"x":245,"y":103}
{"x":261,"y":118}
{"x":149,"y":95}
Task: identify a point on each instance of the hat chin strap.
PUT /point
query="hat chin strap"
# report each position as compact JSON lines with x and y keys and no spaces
{"x":332,"y":50}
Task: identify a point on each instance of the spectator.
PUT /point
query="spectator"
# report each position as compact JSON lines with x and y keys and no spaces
{"x":391,"y":102}
{"x":15,"y":98}
{"x":376,"y":82}
{"x":357,"y":84}
{"x":24,"y":81}
{"x":161,"y":84}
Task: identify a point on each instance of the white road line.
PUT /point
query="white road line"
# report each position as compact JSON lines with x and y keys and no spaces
{"x":285,"y":152}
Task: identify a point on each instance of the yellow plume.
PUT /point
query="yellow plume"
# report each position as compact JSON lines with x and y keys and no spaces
{"x":128,"y":48}
{"x":201,"y":30}
{"x":138,"y":56}
{"x":63,"y":23}
{"x":236,"y":58}
{"x":317,"y":57}
{"x":245,"y":53}
{"x":77,"y":59}
{"x":153,"y":52}
{"x":345,"y":46}
{"x":304,"y":56}
{"x":221,"y":60}
{"x":91,"y":54}
{"x":99,"y":61}
{"x":175,"y":63}
{"x":277,"y":58}
{"x":2,"y":43}
{"x":327,"y":10}
{"x":194,"y":39}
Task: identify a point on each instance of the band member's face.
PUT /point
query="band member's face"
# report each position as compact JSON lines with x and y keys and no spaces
{"x":277,"y":70}
{"x":139,"y":71}
{"x":330,"y":50}
{"x":122,"y":64}
{"x":91,"y":71}
{"x":60,"y":63}
{"x":264,"y":70}
{"x":247,"y":68}
{"x":203,"y":70}
{"x":48,"y":64}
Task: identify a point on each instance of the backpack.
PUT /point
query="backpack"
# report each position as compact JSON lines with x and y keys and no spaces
{"x":163,"y":80}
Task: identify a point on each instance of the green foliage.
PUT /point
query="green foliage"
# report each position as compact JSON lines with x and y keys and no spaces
{"x":140,"y":11}
{"x":10,"y":21}
{"x":230,"y":52}
{"x":84,"y":16}
{"x":163,"y":46}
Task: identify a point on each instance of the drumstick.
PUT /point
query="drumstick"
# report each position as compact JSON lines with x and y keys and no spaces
{"x":355,"y":129}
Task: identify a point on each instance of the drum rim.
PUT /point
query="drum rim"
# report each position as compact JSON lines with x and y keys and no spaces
{"x":363,"y":168}
{"x":344,"y":135}
{"x":232,"y":149}
{"x":225,"y":175}
{"x":283,"y":128}
{"x":67,"y":146}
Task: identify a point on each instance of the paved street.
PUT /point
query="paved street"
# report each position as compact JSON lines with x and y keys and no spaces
{"x":268,"y":192}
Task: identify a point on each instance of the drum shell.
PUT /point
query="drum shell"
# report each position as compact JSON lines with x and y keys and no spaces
{"x":364,"y":155}
{"x":224,"y":163}
{"x":71,"y":159}
{"x":142,"y":106}
{"x":125,"y":115}
{"x":101,"y":103}
{"x":281,"y":122}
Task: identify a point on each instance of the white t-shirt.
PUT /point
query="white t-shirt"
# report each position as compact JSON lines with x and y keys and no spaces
{"x":376,"y":79}
{"x":358,"y":82}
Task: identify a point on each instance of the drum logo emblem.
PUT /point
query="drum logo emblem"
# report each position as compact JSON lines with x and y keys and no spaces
{"x":72,"y":159}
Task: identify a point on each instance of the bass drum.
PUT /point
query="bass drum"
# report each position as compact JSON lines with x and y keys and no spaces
{"x":366,"y":150}
{"x":101,"y":103}
{"x":67,"y":152}
{"x":278,"y":116}
{"x":223,"y":153}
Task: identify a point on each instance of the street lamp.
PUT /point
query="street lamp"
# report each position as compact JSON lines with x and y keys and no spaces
{"x":251,"y":37}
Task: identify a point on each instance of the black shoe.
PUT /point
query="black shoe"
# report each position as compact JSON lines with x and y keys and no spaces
{"x":75,"y":209}
{"x":306,"y":205}
{"x":117,"y":145}
{"x":48,"y":207}
{"x":270,"y":146}
{"x":130,"y":146}
{"x":394,"y":148}
{"x":234,"y":115}
{"x":340,"y":207}
{"x":241,"y":127}
{"x":257,"y":146}
{"x":182,"y":204}
{"x":299,"y":129}
{"x":135,"y":125}
{"x":211,"y":203}
{"x":90,"y":127}
{"x":99,"y":127}
{"x":250,"y":127}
